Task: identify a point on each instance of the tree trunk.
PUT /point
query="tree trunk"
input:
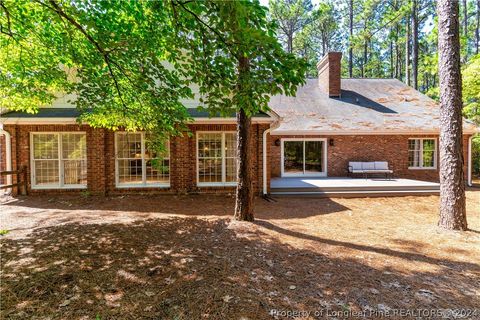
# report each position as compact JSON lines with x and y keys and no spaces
{"x":324,"y":45}
{"x":350,"y":49}
{"x":477,"y":29}
{"x":392,"y":68}
{"x":290,"y":43}
{"x":465,"y":28}
{"x":365,"y":58}
{"x":452,"y":181}
{"x":415,"y":44}
{"x":407,"y":51}
{"x":244,"y":192}
{"x":397,"y":55}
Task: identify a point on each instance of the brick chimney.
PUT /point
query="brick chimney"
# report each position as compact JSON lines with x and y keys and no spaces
{"x":329,"y":73}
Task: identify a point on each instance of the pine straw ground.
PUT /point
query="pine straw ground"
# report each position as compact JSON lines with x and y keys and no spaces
{"x":166,"y":257}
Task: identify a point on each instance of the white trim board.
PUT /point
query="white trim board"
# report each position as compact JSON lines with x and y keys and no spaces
{"x":354,"y":133}
{"x":27,"y":121}
{"x":31,"y":121}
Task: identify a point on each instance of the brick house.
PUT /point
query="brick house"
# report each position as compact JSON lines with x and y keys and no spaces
{"x":314,"y":135}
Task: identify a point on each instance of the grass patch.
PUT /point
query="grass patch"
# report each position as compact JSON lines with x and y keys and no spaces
{"x":3,"y":232}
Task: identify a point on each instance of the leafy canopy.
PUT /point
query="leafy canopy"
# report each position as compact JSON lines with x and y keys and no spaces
{"x":220,"y":35}
{"x":111,"y":54}
{"x":471,"y":89}
{"x":131,"y":63}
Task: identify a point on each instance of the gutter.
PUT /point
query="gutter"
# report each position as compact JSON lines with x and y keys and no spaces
{"x":33,"y":121}
{"x":8,"y":151}
{"x":59,"y":121}
{"x":350,"y":132}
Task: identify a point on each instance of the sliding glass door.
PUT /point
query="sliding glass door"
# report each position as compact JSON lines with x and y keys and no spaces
{"x":304,"y":157}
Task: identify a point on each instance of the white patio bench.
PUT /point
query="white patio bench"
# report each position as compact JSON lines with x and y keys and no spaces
{"x":372,"y":167}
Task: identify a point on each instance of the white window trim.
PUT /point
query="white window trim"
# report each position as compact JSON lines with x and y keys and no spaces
{"x":214,"y":184}
{"x":435,"y":156}
{"x":282,"y":158}
{"x":144,"y":184}
{"x":60,"y":184}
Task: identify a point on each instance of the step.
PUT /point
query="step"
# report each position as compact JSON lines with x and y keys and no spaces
{"x":392,"y":193}
{"x":354,"y":188}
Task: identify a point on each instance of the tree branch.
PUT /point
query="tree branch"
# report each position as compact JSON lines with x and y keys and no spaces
{"x":9,"y":23}
{"x":56,"y":8}
{"x":218,"y":34}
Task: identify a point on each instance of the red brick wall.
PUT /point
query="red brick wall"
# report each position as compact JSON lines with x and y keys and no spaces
{"x":183,"y":175}
{"x":391,"y":148}
{"x":101,"y":158}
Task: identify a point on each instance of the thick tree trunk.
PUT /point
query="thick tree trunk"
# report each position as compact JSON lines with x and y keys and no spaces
{"x":350,"y":49}
{"x":244,"y":192}
{"x":415,"y":44}
{"x":407,"y":51}
{"x":452,"y":183}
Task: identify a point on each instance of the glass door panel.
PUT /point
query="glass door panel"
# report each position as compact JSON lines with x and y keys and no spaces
{"x":304,"y":158}
{"x":313,"y":157}
{"x":293,"y":157}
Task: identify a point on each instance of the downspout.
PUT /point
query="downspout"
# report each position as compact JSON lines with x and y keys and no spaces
{"x":265,"y":160}
{"x":265,"y":133}
{"x":8,"y":152}
{"x":469,"y":164}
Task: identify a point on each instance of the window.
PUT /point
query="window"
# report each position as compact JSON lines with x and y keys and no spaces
{"x":136,"y":166}
{"x":422,"y":153}
{"x":216,"y":153}
{"x":59,"y":160}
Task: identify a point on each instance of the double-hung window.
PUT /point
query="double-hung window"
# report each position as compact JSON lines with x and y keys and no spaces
{"x":216,"y":158}
{"x":422,"y":153}
{"x":59,"y":160}
{"x":136,"y":166}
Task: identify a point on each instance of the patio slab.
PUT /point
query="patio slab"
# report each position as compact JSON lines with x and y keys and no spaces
{"x":352,"y":187}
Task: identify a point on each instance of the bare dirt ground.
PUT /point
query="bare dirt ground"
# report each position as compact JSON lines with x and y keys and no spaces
{"x":167,"y":257}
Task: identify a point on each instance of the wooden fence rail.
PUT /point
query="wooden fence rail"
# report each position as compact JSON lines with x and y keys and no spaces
{"x":21,"y":183}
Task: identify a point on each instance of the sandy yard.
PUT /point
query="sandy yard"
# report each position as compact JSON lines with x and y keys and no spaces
{"x":180,"y":257}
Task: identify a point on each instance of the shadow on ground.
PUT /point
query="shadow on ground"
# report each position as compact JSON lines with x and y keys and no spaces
{"x":189,"y":268}
{"x":191,"y":205}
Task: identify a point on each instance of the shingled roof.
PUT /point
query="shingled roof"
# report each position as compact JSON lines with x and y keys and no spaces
{"x":74,"y":113}
{"x":365,"y":106}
